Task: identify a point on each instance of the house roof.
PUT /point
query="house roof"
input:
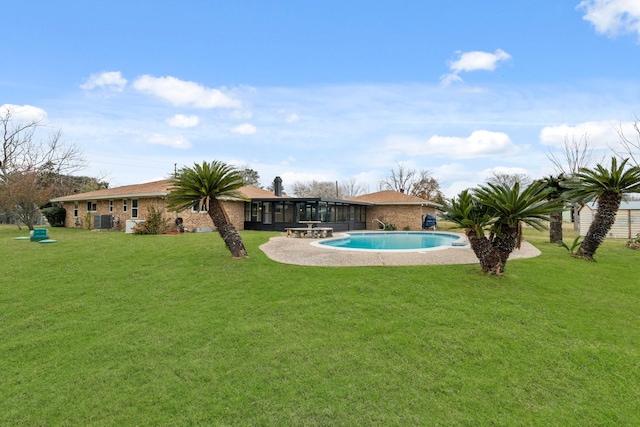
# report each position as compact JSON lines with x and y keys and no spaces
{"x":391,"y":197}
{"x":148,"y":189}
{"x":632,"y":205}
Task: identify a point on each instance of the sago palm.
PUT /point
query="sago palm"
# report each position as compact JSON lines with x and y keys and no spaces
{"x":606,"y":186}
{"x":499,"y":210}
{"x":207,"y":185}
{"x":556,"y":185}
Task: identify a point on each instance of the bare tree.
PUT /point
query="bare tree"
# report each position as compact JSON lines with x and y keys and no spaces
{"x":509,"y":179}
{"x":315,"y":188}
{"x":401,"y":179}
{"x":630,"y":148}
{"x":406,"y":180}
{"x":576,"y":153}
{"x":29,"y":149}
{"x":351,"y":188}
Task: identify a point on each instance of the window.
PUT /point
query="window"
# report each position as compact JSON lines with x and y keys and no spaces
{"x":197,"y":207}
{"x":110,"y":205}
{"x":134,"y":208}
{"x":92,"y":207}
{"x":124,"y":205}
{"x":75,"y":210}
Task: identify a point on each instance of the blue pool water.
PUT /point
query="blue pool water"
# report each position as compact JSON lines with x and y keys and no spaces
{"x":395,"y":240}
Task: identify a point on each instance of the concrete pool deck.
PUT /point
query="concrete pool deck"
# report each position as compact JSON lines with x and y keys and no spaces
{"x":299,"y":251}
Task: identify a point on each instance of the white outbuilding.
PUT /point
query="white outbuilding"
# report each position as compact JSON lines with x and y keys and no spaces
{"x":627,"y":223}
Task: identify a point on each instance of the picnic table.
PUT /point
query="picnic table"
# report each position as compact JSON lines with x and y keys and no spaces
{"x":309,"y":230}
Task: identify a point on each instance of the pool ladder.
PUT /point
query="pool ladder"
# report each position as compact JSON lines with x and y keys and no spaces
{"x":380,"y":222}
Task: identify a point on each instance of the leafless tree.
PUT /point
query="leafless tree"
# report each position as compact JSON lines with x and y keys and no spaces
{"x":315,"y":188}
{"x":630,"y":147}
{"x":509,"y":179}
{"x":351,"y":188}
{"x":576,"y":153}
{"x":329,"y":189}
{"x":401,"y":179}
{"x":420,"y":184}
{"x":29,"y":151}
{"x":23,"y":150}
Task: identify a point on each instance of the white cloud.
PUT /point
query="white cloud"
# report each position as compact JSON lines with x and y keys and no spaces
{"x":23,"y":112}
{"x":600,"y":134}
{"x":612,"y":17}
{"x":292,"y":118}
{"x":182,"y":121}
{"x":108,"y":80}
{"x":480,"y":143}
{"x":172,"y":141}
{"x":473,"y":61}
{"x":184,"y":93}
{"x":244,"y":129}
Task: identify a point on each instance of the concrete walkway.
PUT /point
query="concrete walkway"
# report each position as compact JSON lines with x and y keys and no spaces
{"x":299,"y":251}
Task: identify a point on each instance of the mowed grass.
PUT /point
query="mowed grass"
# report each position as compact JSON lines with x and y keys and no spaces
{"x":104,"y":328}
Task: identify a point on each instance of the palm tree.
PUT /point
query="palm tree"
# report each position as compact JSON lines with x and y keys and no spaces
{"x":207,"y":185}
{"x":501,"y":210}
{"x":555,"y":184}
{"x":606,"y":186}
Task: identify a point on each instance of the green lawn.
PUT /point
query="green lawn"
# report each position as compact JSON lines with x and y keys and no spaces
{"x":104,"y":328}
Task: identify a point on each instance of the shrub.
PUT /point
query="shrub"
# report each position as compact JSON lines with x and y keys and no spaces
{"x":155,"y":223}
{"x":634,"y":243}
{"x":55,"y":215}
{"x":87,"y":221}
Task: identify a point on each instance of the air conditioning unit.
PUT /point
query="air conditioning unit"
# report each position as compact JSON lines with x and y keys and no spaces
{"x":102,"y":222}
{"x":132,"y":223}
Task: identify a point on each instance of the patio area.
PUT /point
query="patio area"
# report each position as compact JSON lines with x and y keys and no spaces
{"x":301,"y":252}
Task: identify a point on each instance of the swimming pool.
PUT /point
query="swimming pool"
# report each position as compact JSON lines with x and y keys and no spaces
{"x":409,"y":241}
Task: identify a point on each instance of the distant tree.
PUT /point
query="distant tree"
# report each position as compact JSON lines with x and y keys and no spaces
{"x":426,"y":187}
{"x":607,"y":187}
{"x":326,"y":189}
{"x":351,"y":188}
{"x":22,"y":194}
{"x":24,"y":148}
{"x":400,"y":180}
{"x":630,"y":147}
{"x":575,"y":154}
{"x":249,"y":176}
{"x":30,"y":153}
{"x":207,"y":185}
{"x":509,"y":179}
{"x":408,"y":181}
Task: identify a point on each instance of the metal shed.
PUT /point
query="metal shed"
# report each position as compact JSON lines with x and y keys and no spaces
{"x":627,"y":223}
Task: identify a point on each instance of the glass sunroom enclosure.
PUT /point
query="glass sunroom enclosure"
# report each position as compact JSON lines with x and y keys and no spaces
{"x":277,"y":214}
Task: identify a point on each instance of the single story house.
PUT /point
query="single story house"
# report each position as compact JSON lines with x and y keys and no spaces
{"x":626,"y":226}
{"x":397,"y":208}
{"x":120,"y":208}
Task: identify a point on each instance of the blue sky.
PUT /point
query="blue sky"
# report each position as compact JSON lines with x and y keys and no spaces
{"x":325,"y":90}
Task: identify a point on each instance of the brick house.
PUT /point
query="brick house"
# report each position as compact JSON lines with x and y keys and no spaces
{"x":394,"y":207}
{"x":130,"y":203}
{"x":118,"y":208}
